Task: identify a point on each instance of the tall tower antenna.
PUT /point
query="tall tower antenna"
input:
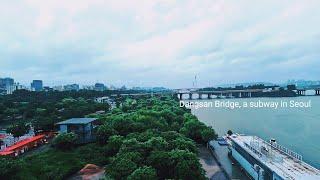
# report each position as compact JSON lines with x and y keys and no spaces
{"x":195,"y":81}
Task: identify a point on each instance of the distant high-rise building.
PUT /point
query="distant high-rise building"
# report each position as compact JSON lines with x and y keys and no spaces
{"x":57,"y":88}
{"x":72,"y":87}
{"x":36,"y":85}
{"x":87,"y":87}
{"x":99,"y":87}
{"x":14,"y":87}
{"x":112,"y":87}
{"x":6,"y":82}
{"x":47,"y":88}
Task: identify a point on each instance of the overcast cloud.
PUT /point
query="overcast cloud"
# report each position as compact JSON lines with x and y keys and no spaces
{"x":159,"y":43}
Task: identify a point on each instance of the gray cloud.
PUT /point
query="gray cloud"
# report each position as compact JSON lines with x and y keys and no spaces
{"x":161,"y":43}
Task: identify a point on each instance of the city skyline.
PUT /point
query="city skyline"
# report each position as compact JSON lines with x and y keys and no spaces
{"x":159,"y":43}
{"x":76,"y":85}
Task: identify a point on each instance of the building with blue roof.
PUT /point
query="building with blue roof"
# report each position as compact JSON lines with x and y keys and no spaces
{"x":83,"y":127}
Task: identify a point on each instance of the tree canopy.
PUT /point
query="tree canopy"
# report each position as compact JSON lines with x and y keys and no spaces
{"x":144,"y":138}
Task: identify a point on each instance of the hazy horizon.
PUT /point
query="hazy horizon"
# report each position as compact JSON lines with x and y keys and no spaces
{"x":159,"y":43}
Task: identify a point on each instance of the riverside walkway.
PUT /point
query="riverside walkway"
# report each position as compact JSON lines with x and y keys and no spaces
{"x":210,"y":165}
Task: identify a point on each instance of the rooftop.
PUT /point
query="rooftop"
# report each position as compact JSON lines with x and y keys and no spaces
{"x":282,"y":161}
{"x":78,"y":121}
{"x":21,"y":144}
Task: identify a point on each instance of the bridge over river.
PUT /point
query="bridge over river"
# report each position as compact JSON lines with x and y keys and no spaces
{"x":219,"y":93}
{"x":233,"y":93}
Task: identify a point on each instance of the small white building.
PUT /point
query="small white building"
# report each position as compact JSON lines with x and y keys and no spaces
{"x":106,"y":100}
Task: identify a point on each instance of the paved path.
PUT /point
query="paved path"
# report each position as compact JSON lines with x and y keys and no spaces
{"x":209,"y":164}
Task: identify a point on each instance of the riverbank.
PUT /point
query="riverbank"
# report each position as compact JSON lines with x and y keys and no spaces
{"x":227,"y":164}
{"x":286,"y":125}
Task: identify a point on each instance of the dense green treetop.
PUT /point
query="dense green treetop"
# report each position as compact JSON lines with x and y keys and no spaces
{"x":145,"y":138}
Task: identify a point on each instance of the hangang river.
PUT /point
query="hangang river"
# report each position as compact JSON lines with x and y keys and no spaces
{"x":295,"y":128}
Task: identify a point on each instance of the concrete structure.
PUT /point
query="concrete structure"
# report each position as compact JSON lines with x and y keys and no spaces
{"x":301,"y":92}
{"x":82,"y":127}
{"x":106,"y":100}
{"x":72,"y":87}
{"x":219,"y":93}
{"x":100,"y":87}
{"x":268,"y":160}
{"x":37,"y":85}
{"x":47,"y":89}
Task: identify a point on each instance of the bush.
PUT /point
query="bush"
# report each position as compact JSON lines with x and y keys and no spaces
{"x":120,"y":169}
{"x":104,"y":132}
{"x":143,"y":173}
{"x":65,"y":141}
{"x":8,"y":167}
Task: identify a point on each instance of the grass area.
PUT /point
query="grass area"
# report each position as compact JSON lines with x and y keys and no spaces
{"x":53,"y":164}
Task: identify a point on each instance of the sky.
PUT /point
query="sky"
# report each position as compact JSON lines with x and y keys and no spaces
{"x":159,"y":42}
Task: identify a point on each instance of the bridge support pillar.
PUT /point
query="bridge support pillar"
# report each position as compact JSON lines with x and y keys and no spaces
{"x":190,"y":96}
{"x":301,"y":92}
{"x":200,"y":96}
{"x":209,"y":96}
{"x":240,"y":95}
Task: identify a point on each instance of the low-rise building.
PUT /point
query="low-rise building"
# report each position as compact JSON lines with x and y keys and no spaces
{"x":72,"y":87}
{"x":106,"y":100}
{"x":83,"y":127}
{"x":100,"y":87}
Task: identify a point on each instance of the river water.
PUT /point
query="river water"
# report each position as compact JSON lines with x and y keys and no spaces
{"x":295,"y":128}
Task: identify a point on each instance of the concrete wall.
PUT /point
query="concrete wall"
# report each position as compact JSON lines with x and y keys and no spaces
{"x":63,"y":128}
{"x":245,"y":164}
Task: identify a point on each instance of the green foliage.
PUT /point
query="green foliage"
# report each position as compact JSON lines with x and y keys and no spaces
{"x":65,"y":141}
{"x":44,"y":123}
{"x":186,"y":165}
{"x":161,"y":161}
{"x":104,"y":132}
{"x":9,"y":167}
{"x":145,"y":138}
{"x":143,"y":173}
{"x":11,"y":112}
{"x":18,"y":129}
{"x":157,"y":144}
{"x":198,"y":131}
{"x":120,"y":168}
{"x":53,"y":164}
{"x":208,"y":134}
{"x":114,"y":145}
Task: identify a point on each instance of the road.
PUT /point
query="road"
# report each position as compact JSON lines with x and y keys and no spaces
{"x":210,"y":165}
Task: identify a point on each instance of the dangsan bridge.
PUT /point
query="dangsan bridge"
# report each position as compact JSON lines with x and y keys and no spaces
{"x":302,"y":91}
{"x":233,"y":93}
